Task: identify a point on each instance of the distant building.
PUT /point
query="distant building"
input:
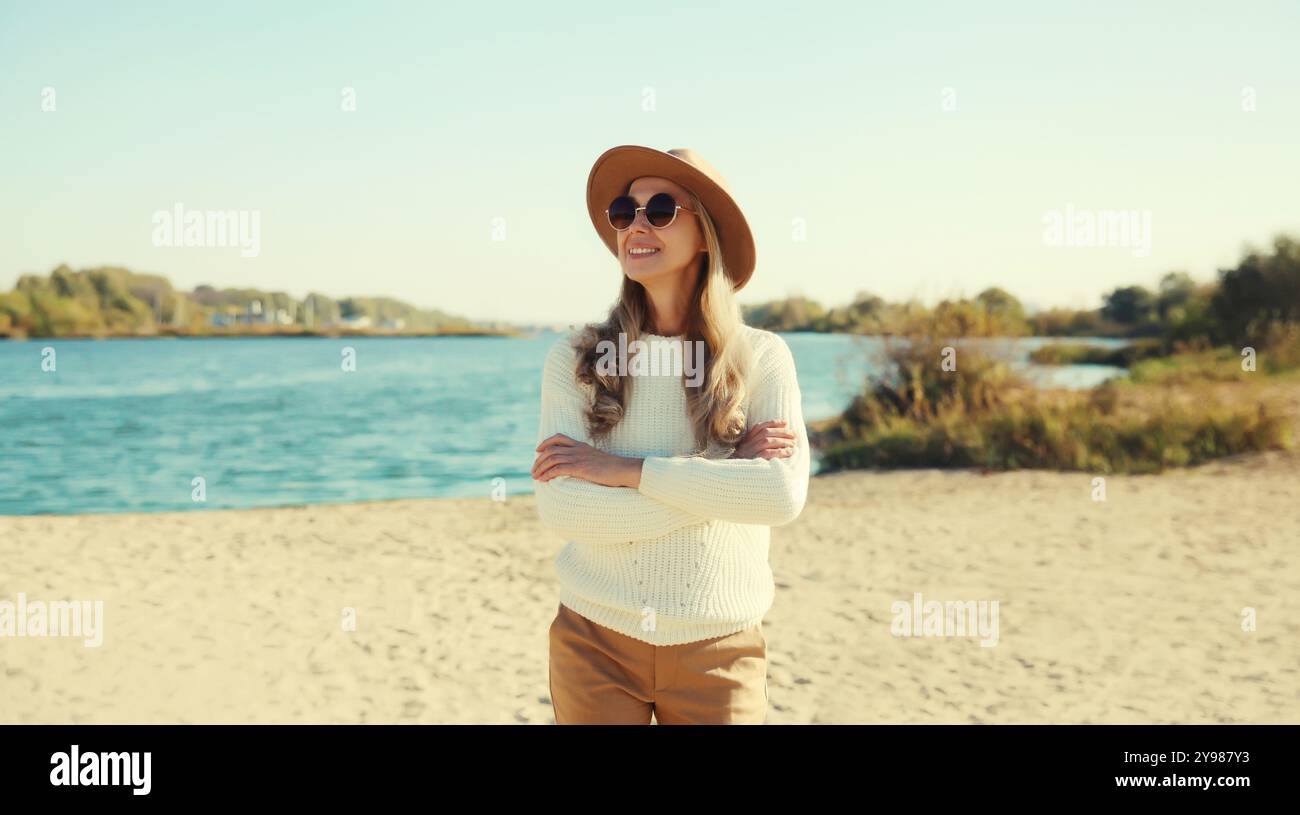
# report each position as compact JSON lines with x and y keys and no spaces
{"x":541,"y":328}
{"x":252,"y":315}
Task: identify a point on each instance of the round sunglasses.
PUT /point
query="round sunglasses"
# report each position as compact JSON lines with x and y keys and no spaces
{"x":660,"y":211}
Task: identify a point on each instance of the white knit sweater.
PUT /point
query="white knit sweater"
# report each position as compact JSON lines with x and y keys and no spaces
{"x":684,"y":557}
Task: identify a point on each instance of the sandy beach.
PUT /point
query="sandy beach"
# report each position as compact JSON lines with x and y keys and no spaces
{"x":1123,"y":610}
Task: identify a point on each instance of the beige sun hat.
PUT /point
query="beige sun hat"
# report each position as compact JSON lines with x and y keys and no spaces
{"x":618,"y":167}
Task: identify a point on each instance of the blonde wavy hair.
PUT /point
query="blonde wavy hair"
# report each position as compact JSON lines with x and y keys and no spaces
{"x":715,"y":406}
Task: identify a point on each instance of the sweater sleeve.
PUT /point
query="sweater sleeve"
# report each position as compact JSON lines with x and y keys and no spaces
{"x":579,"y":509}
{"x":753,"y":491}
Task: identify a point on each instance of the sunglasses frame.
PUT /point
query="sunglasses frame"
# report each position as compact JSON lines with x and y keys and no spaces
{"x":637,"y":210}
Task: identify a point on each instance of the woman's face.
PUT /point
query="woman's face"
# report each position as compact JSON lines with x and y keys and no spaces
{"x":679,"y":244}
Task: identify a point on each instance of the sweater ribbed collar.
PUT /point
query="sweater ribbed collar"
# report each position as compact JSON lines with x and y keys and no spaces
{"x":650,"y":336}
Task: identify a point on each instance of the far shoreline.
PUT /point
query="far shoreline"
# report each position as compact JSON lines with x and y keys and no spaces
{"x":518,"y":334}
{"x":274,"y":335}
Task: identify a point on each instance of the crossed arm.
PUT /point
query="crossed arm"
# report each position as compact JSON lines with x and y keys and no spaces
{"x":764,"y":491}
{"x":652,"y":496}
{"x":578,"y":509}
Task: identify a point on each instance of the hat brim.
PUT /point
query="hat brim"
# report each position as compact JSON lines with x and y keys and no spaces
{"x":619,"y":166}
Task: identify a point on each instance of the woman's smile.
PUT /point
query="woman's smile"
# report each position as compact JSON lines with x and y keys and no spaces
{"x":641,"y":251}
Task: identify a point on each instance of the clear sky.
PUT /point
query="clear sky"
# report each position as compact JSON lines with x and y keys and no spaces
{"x":831,"y":113}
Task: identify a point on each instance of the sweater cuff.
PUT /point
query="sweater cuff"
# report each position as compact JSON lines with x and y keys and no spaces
{"x":659,"y":476}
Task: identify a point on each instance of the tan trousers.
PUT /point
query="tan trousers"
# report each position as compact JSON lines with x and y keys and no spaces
{"x":600,"y":676}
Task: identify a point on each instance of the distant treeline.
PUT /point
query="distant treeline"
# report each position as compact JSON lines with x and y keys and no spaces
{"x":111,"y":301}
{"x":1213,"y":371}
{"x":1243,"y":305}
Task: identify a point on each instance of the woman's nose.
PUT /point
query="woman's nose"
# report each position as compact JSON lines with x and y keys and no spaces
{"x":642,"y":220}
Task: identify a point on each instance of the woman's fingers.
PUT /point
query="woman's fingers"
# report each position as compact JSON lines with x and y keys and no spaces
{"x":776,"y":440}
{"x":762,"y":426}
{"x":549,"y":460}
{"x":553,"y":472}
{"x":763,"y":440}
{"x":770,"y":449}
{"x":766,"y":430}
{"x":553,"y":452}
{"x":558,"y":440}
{"x":759,"y":430}
{"x":555,"y":468}
{"x":777,"y":443}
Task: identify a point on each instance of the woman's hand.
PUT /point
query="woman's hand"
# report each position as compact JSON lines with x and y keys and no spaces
{"x":561,"y":455}
{"x":764,"y":440}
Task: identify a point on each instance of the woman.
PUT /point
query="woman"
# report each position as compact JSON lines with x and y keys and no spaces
{"x":666,"y":483}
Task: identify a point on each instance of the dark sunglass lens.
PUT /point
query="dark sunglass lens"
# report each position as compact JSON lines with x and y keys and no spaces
{"x":660,"y":209}
{"x":622,"y":211}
